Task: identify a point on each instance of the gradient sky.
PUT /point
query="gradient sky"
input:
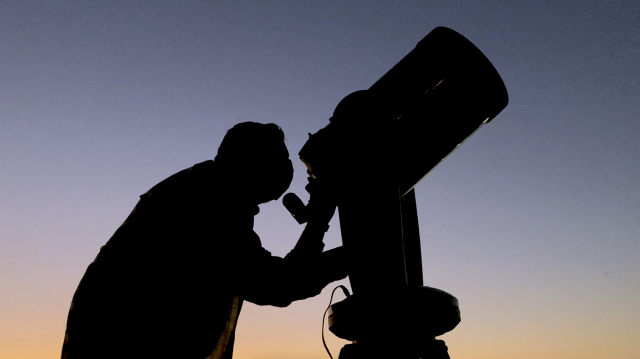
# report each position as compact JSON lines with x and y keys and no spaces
{"x":534,"y":223}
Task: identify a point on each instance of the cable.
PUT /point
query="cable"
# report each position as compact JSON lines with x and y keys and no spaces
{"x":346,"y":293}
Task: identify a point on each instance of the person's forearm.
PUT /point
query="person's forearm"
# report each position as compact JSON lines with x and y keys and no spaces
{"x":335,"y":264}
{"x":274,"y":281}
{"x":310,"y":242}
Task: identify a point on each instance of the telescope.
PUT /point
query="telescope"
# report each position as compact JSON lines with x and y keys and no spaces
{"x":378,"y":145}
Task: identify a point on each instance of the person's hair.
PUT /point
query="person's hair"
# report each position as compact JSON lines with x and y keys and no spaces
{"x":249,"y":139}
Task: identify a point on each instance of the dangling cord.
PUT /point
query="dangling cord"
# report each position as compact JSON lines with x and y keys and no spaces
{"x":346,"y":293}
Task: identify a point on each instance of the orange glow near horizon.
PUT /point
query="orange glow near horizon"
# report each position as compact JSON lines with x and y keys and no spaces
{"x":533,"y":224}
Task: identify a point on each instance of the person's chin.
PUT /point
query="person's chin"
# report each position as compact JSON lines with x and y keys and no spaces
{"x":275,"y":197}
{"x":266,"y":199}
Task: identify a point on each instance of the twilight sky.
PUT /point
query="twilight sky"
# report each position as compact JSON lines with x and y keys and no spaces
{"x":534,"y":223}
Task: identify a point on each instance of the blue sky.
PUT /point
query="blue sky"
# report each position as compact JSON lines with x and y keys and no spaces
{"x":534,"y":223}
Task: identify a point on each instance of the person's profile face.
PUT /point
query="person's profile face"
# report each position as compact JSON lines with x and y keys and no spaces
{"x":284,"y":178}
{"x":275,"y":173}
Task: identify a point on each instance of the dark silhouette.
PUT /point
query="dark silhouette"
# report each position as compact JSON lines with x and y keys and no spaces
{"x":379,"y":143}
{"x":171,"y":281}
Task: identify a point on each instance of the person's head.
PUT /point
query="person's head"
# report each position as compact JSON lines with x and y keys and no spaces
{"x":255,"y":157}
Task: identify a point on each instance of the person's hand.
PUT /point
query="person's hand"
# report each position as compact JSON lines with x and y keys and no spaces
{"x":322,"y":205}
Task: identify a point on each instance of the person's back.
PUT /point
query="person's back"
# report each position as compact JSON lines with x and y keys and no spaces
{"x":171,"y":280}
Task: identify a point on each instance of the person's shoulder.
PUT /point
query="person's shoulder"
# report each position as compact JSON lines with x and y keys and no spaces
{"x":194,"y":179}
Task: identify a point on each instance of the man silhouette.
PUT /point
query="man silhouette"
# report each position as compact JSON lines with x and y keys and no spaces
{"x":171,"y":281}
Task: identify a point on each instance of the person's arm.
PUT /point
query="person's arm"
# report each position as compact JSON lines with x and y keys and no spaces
{"x":264,"y":279}
{"x":267,"y":280}
{"x":319,"y":211}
